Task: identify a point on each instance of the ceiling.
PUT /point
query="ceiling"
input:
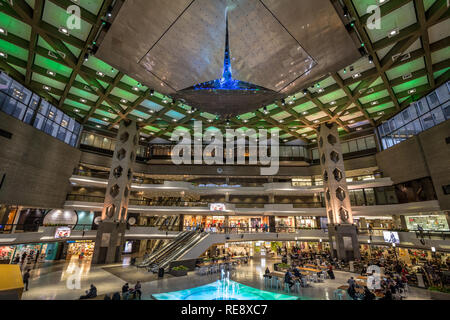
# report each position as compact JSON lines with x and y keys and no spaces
{"x":361,"y":94}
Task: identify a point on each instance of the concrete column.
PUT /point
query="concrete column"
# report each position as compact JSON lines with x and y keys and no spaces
{"x":342,"y":232}
{"x":111,"y":231}
{"x":272,"y":227}
{"x":271,"y":198}
{"x":181,"y":225}
{"x":227,"y":197}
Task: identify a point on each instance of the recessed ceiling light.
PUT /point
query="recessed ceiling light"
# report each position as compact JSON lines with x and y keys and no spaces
{"x":101,"y":74}
{"x":291,"y":102}
{"x":4,"y":31}
{"x":304,"y":135}
{"x":304,"y":113}
{"x":245,"y":121}
{"x":52,"y":73}
{"x":64,"y":30}
{"x":380,"y":113}
{"x":3,"y":55}
{"x":46,"y":88}
{"x":174,"y":120}
{"x":285,"y":140}
{"x":98,"y":126}
{"x":321,"y":90}
{"x":374,"y":103}
{"x":210,"y":120}
{"x":135,"y":88}
{"x":356,"y":75}
{"x":105,"y":119}
{"x":164,"y":101}
{"x":281,"y":121}
{"x":393,"y":32}
{"x":358,"y":129}
{"x":140,"y":119}
{"x":333,"y":103}
{"x":76,"y":110}
{"x":412,"y":91}
{"x":314,"y":140}
{"x":316,"y":121}
{"x":351,"y":121}
{"x":83,"y":100}
{"x":123,"y":101}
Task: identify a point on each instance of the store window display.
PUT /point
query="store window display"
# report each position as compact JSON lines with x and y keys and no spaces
{"x":428,"y":222}
{"x":80,"y":249}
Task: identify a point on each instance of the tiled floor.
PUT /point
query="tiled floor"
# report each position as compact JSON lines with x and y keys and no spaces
{"x":58,"y":281}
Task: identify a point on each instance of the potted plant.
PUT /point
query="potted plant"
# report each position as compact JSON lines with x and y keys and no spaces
{"x":179,"y":271}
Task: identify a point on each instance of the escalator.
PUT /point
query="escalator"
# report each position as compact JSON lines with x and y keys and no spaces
{"x":170,"y":252}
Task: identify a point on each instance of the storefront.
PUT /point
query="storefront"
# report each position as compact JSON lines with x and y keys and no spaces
{"x":285,"y":224}
{"x":215,"y":223}
{"x":427,"y":222}
{"x":6,"y":254}
{"x":306,"y":222}
{"x":80,"y":249}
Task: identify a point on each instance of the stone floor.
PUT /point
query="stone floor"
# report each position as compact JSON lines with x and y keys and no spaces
{"x":59,"y":281}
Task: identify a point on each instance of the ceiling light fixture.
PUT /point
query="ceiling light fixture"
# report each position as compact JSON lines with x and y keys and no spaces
{"x":135,"y":88}
{"x":83,"y":100}
{"x":46,"y":88}
{"x":101,"y":74}
{"x":4,"y":31}
{"x":3,"y":55}
{"x":412,"y":91}
{"x":374,"y":103}
{"x":393,"y":32}
{"x":51,"y":73}
{"x":64,"y":30}
{"x":123,"y":101}
{"x":356,"y":75}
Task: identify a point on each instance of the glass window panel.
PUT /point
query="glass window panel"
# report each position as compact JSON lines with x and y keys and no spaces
{"x":410,"y":130}
{"x":5,"y":82}
{"x":443,"y":92}
{"x":48,"y":126}
{"x":3,"y":97}
{"x":34,"y":102}
{"x":392,"y":125}
{"x":68,"y":136}
{"x":380,"y":131}
{"x":446,"y":109}
{"x":20,"y":93}
{"x":380,"y":196}
{"x":390,"y":195}
{"x":61,"y":134}
{"x":315,"y":154}
{"x":398,"y":120}
{"x":427,"y":121}
{"x":352,"y":197}
{"x":106,"y":143}
{"x":389,"y":141}
{"x":71,"y":124}
{"x":433,"y":100}
{"x":406,"y":116}
{"x":39,"y":122}
{"x":52,"y":112}
{"x":73,"y":140}
{"x":44,"y":108}
{"x":19,"y":111}
{"x":352,"y":146}
{"x":98,"y":142}
{"x":417,"y":126}
{"x":344,"y":146}
{"x":9,"y":105}
{"x":412,"y":111}
{"x":384,"y":143}
{"x":386,"y":128}
{"x":77,"y":127}
{"x":438,"y":116}
{"x":361,"y":144}
{"x":370,"y":142}
{"x":113,"y":145}
{"x":28,"y":116}
{"x":58,"y":116}
{"x":421,"y":107}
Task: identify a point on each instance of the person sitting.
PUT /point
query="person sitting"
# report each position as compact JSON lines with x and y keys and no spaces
{"x":116,"y":296}
{"x":125,"y":288}
{"x":351,"y":292}
{"x":297,"y":273}
{"x":288,"y":279}
{"x":92,"y":293}
{"x":368,"y":295}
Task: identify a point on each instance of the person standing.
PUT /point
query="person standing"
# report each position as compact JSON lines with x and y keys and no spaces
{"x":137,"y":289}
{"x":26,"y":279}
{"x":37,"y":256}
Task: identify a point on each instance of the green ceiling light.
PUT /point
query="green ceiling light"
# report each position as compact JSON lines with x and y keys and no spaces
{"x":362,"y":44}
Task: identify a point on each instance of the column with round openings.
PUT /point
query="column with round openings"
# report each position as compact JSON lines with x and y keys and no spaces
{"x":342,"y":232}
{"x":111,"y":231}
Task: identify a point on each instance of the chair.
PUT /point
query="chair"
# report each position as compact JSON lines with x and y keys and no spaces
{"x":266,"y":282}
{"x":275,"y":282}
{"x":338,"y":294}
{"x":287,"y":288}
{"x":304,"y":282}
{"x":297,"y":286}
{"x":322,"y":277}
{"x":314,"y":277}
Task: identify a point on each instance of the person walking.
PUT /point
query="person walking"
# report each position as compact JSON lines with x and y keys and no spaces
{"x":26,"y":279}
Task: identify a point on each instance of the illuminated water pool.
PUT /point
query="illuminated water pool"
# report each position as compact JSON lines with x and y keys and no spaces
{"x":223,"y":290}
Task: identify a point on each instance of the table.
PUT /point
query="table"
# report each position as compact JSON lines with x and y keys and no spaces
{"x":309,"y":269}
{"x":315,"y":266}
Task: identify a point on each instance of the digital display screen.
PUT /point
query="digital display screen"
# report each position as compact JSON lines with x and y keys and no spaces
{"x":217,"y":207}
{"x":391,"y":237}
{"x":62,"y":232}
